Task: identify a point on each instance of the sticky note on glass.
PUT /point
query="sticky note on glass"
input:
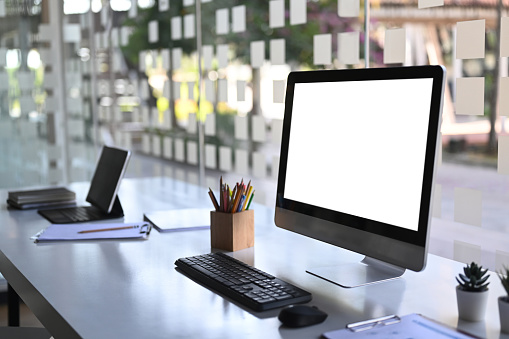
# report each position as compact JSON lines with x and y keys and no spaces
{"x":468,"y":206}
{"x":222,"y":56}
{"x":470,"y":96}
{"x":125,"y":33}
{"x":348,"y":48}
{"x":504,"y":37}
{"x":348,"y":8}
{"x":240,"y":127}
{"x":430,"y":3}
{"x":298,"y":12}
{"x":165,"y":57}
{"x":276,"y":131}
{"x":241,"y":90}
{"x":145,"y":143}
{"x":179,"y":150}
{"x":322,"y":49}
{"x":278,"y":94}
{"x":189,"y":31}
{"x":470,"y":36}
{"x":153,"y":31}
{"x":176,"y":57}
{"x":209,"y":90}
{"x":2,"y":9}
{"x":259,"y":165}
{"x":167,"y":147}
{"x":241,"y":161}
{"x":208,"y":54}
{"x":176,"y":90}
{"x":501,"y":260}
{"x":239,"y":19}
{"x":257,"y":53}
{"x":164,"y":5}
{"x":210,"y":156}
{"x":466,"y":253}
{"x":192,"y":153}
{"x":277,"y":51}
{"x":115,"y":41}
{"x":276,"y":13}
{"x":258,"y":124}
{"x":503,"y":97}
{"x":503,"y":154}
{"x":437,"y":201}
{"x":225,"y":158}
{"x":176,"y":28}
{"x":222,"y":90}
{"x":133,"y":11}
{"x":156,"y":145}
{"x":210,"y":125}
{"x":222,"y":21}
{"x":72,"y":33}
{"x":395,"y":46}
{"x":191,"y":123}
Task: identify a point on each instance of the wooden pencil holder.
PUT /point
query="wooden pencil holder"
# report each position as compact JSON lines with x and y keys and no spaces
{"x":232,"y":232}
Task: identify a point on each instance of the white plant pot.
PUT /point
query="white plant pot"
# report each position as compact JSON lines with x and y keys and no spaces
{"x":471,"y":305}
{"x":503,"y":311}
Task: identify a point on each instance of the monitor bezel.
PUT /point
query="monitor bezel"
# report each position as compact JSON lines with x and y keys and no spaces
{"x":419,"y":237}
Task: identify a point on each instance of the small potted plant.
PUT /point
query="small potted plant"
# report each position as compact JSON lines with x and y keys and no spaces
{"x":503,"y":301}
{"x":472,"y":292}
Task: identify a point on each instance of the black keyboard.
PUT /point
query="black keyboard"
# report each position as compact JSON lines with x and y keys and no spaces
{"x":74,"y":214}
{"x":245,"y":284}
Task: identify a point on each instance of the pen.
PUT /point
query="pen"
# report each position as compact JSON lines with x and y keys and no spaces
{"x":109,"y":229}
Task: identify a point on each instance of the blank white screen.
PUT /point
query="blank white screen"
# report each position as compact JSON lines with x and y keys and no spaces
{"x":359,"y":148}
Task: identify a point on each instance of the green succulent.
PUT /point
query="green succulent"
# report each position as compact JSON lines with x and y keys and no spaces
{"x":504,"y":279}
{"x":474,"y":278}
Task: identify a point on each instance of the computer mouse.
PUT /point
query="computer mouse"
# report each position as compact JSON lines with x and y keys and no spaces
{"x":301,"y":315}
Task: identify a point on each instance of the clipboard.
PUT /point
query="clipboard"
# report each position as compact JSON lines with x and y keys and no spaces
{"x":412,"y":325}
{"x":91,"y":231}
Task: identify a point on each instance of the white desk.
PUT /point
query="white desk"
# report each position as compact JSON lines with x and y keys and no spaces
{"x":130,"y":289}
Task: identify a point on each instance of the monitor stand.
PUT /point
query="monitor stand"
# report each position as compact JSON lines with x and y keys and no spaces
{"x":368,"y":271}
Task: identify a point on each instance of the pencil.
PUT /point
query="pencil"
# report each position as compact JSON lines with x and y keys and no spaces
{"x":248,"y":195}
{"x":213,"y":198}
{"x":108,"y":229}
{"x":249,"y":203}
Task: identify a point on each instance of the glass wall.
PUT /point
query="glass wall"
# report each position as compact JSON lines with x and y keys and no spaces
{"x":196,"y":90}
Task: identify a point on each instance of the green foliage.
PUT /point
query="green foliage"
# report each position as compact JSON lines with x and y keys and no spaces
{"x":504,"y":279}
{"x":474,"y":278}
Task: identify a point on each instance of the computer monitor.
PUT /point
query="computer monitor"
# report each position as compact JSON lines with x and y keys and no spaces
{"x":358,"y":157}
